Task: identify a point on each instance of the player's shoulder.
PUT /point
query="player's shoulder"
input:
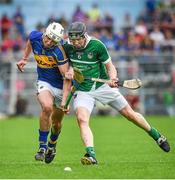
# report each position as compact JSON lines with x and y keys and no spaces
{"x":96,"y":42}
{"x":98,"y":45}
{"x":35,"y":35}
{"x":58,"y":48}
{"x":59,"y":51}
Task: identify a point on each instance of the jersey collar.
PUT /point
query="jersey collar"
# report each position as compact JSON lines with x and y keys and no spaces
{"x":88,"y":38}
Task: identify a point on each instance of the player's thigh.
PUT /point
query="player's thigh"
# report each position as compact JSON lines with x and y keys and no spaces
{"x":83,"y":100}
{"x":111,"y":96}
{"x":53,"y":94}
{"x":119,"y":103}
{"x":58,"y":94}
{"x":45,"y":99}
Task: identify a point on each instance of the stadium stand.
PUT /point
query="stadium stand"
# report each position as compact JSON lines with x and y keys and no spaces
{"x":141,"y":41}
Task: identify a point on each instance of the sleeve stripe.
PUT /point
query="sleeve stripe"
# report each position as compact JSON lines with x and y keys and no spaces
{"x":109,"y":59}
{"x":56,"y":56}
{"x":63,"y":52}
{"x":59,"y":59}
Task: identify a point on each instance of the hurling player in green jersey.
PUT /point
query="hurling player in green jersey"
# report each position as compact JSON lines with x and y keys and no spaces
{"x":92,"y":58}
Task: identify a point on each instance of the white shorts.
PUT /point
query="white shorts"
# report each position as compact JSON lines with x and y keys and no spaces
{"x":104,"y":94}
{"x":56,"y":93}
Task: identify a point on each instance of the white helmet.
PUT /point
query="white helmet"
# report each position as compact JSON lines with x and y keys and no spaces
{"x":55,"y":31}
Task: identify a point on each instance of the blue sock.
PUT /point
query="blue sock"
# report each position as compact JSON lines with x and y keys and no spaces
{"x":43,"y":139}
{"x":53,"y":139}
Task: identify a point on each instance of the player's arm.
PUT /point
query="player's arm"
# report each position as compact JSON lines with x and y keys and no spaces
{"x":112,"y":73}
{"x":105,"y":58}
{"x":67,"y":83}
{"x":70,"y":73}
{"x":25,"y":58}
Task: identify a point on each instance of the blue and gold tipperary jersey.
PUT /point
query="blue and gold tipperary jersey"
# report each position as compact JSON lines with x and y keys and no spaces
{"x":48,"y":60}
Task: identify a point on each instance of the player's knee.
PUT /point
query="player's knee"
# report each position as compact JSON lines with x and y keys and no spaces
{"x":139,"y":116}
{"x":80,"y":117}
{"x":130,"y":114}
{"x":47,"y":109}
{"x":134,"y":116}
{"x":82,"y":120}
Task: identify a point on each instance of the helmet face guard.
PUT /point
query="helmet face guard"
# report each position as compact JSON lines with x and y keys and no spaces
{"x":74,"y":36}
{"x":76,"y":30}
{"x":54,"y":37}
{"x":55,"y":32}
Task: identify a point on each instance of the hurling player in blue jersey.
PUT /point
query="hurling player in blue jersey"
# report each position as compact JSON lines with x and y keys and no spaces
{"x":52,"y":90}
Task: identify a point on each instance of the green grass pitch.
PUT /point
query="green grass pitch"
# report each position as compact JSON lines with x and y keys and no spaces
{"x":123,"y":150}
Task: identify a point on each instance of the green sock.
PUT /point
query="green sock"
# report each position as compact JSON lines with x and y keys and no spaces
{"x":90,"y":151}
{"x":154,"y":133}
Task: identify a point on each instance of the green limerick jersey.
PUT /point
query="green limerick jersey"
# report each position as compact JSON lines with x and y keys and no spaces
{"x":90,"y":60}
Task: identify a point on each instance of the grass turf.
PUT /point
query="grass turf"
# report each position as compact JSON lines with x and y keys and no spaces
{"x":123,"y":150}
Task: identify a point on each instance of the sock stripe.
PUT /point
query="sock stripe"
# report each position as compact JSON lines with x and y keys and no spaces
{"x":52,"y":142}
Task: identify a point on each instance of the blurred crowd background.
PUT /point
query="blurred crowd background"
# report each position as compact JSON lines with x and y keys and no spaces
{"x":153,"y":29}
{"x":140,"y":36}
